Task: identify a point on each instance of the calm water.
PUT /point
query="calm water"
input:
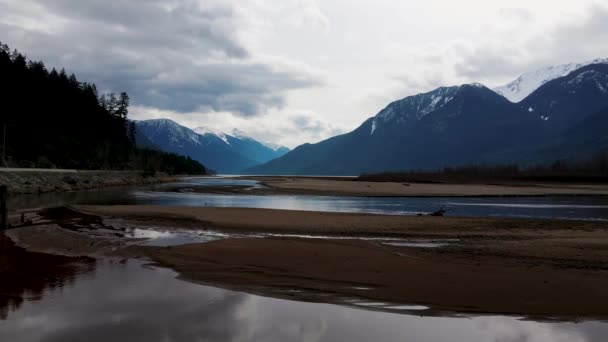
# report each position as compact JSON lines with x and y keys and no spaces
{"x":583,"y":207}
{"x":123,"y":301}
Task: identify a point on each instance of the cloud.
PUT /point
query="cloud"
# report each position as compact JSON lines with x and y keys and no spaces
{"x":289,"y":128}
{"x":515,"y":43}
{"x":178,"y":55}
{"x":258,"y":65}
{"x":566,"y":42}
{"x":516,"y":14}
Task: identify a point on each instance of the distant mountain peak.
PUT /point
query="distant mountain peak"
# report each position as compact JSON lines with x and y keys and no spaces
{"x":418,"y":106}
{"x":160,"y":121}
{"x":225,"y":153}
{"x":275,"y":147}
{"x":208,"y":131}
{"x":528,"y":82}
{"x":237,"y":133}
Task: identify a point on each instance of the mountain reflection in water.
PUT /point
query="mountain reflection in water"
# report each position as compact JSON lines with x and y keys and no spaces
{"x":133,"y":302}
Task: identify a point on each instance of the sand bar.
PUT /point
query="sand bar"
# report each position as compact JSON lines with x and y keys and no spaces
{"x":337,"y":186}
{"x":540,"y":268}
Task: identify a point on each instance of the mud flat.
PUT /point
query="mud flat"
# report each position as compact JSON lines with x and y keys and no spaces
{"x":534,"y":268}
{"x":350,"y":187}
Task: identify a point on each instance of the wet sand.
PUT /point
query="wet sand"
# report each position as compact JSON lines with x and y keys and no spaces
{"x":350,"y":187}
{"x":341,"y":224}
{"x":534,"y":268}
{"x":446,"y":281}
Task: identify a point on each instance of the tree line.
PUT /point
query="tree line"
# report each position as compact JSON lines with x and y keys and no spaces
{"x":594,"y":169}
{"x":50,"y":119}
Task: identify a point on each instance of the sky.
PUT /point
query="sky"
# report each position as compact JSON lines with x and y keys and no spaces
{"x":297,"y":71}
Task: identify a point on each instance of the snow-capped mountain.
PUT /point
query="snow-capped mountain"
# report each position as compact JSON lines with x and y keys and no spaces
{"x":527,"y":83}
{"x":567,"y":100}
{"x":204,"y":131}
{"x":447,"y":100}
{"x":463,"y":125}
{"x":448,"y":126}
{"x":224,"y":153}
{"x":276,"y":147}
{"x":237,"y":133}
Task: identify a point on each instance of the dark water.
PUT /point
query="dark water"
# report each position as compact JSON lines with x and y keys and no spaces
{"x":589,"y":208}
{"x":582,"y":207}
{"x":125,"y":301}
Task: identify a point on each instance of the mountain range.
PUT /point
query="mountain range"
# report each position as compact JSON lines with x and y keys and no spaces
{"x":222,"y":152}
{"x":539,"y":116}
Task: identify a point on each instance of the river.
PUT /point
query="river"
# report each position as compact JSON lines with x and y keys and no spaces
{"x":557,"y":207}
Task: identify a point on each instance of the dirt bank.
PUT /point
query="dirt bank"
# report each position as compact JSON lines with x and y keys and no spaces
{"x":32,"y":182}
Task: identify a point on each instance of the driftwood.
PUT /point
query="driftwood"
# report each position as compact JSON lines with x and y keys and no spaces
{"x":440,"y":212}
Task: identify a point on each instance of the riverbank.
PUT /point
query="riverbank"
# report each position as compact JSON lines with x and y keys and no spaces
{"x":533,"y":268}
{"x":25,"y":181}
{"x":344,"y":186}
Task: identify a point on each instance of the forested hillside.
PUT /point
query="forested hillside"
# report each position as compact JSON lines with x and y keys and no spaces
{"x":51,"y":119}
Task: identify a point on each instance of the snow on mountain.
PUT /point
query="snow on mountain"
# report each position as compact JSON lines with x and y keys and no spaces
{"x":175,"y":133}
{"x":274,"y":147}
{"x":237,"y":133}
{"x":415,"y":108}
{"x":207,"y":131}
{"x":418,"y":106}
{"x":593,"y":76}
{"x":566,"y":100}
{"x":527,"y":83}
{"x":225,"y":153}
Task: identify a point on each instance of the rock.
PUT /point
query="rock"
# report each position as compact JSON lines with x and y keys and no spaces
{"x":71,"y":180}
{"x":32,"y":182}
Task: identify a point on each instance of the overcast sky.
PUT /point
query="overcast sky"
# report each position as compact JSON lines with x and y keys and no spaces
{"x":295,"y":71}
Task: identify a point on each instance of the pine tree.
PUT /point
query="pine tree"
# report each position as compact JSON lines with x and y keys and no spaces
{"x":112,"y":104}
{"x":132,"y":133}
{"x":73,"y":81}
{"x":104,"y":102}
{"x":123,"y":105}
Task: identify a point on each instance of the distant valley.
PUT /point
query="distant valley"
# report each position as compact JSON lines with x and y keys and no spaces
{"x":221,"y":152}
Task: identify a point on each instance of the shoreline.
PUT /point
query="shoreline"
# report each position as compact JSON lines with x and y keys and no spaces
{"x":532,"y":268}
{"x":27,"y":182}
{"x":327,"y":186}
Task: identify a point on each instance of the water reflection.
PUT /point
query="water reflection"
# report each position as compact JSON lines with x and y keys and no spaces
{"x":27,"y":276}
{"x":588,"y":208}
{"x":125,"y":301}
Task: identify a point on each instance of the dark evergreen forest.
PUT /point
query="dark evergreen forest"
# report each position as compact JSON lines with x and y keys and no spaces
{"x":50,"y":119}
